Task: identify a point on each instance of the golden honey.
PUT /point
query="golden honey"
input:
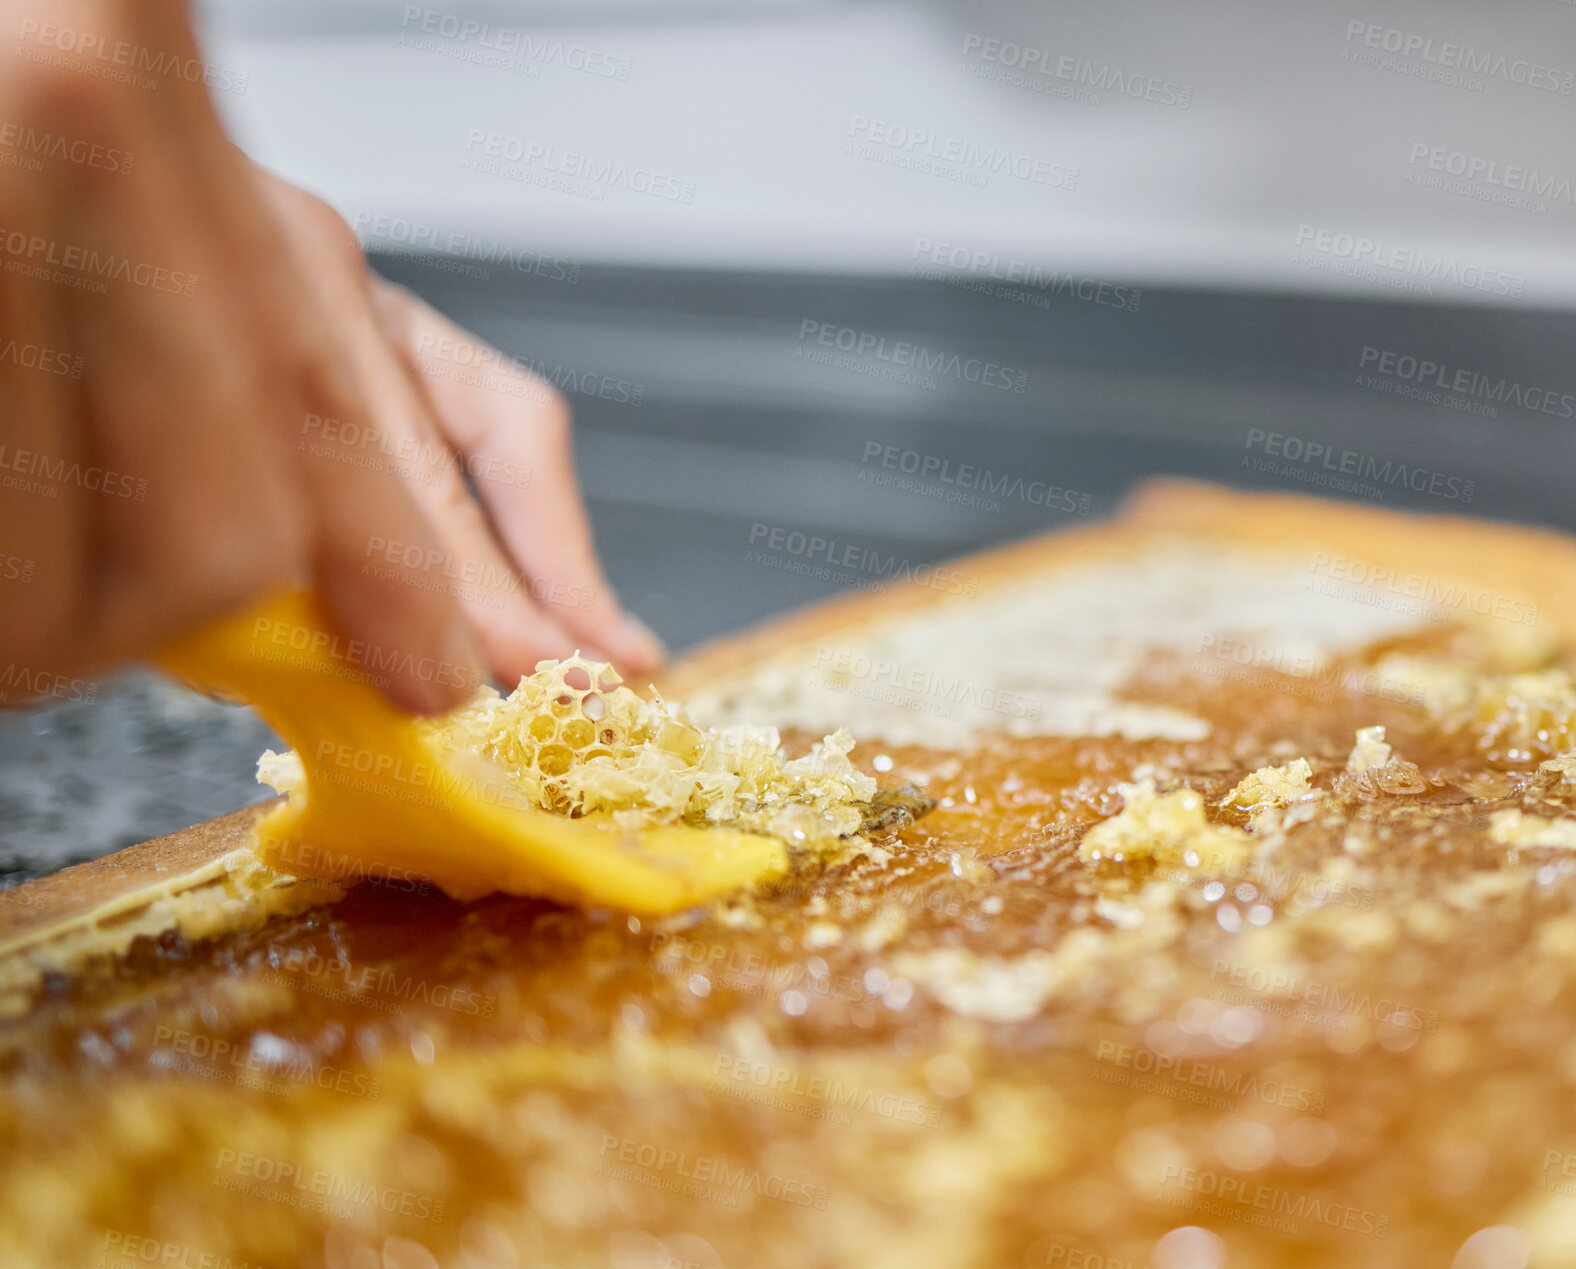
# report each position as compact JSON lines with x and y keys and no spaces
{"x":1352,"y":1043}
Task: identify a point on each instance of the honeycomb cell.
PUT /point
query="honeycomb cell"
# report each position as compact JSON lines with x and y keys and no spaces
{"x":554,"y":760}
{"x":577,"y":742}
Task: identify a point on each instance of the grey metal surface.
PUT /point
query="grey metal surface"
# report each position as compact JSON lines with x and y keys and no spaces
{"x":738,"y":428}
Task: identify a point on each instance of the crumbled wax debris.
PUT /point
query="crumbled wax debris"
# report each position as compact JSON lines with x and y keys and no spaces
{"x":1514,"y":828}
{"x":1274,"y":786}
{"x":992,"y":988}
{"x":1166,"y":827}
{"x":1066,"y":1031}
{"x":1369,"y":752}
{"x":1513,"y":719}
{"x":1267,"y":792}
{"x":576,"y":742}
{"x":1562,"y":767}
{"x":1374,"y":769}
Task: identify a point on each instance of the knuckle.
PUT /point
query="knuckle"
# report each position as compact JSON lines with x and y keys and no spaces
{"x":65,"y":100}
{"x":553,"y":413}
{"x":455,"y":505}
{"x":319,"y":382}
{"x":327,"y":224}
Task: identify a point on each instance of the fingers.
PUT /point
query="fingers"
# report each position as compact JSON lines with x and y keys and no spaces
{"x":392,"y":605}
{"x":185,"y":506}
{"x":380,"y":567}
{"x":469,"y":565}
{"x":213,"y":324}
{"x":188,"y":509}
{"x":45,"y":526}
{"x":515,"y":633}
{"x":514,"y":430}
{"x":377,"y":564}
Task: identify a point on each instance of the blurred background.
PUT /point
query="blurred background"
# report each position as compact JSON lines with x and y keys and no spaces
{"x":915,"y":278}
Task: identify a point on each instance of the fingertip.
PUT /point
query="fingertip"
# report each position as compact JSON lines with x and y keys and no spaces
{"x":517,"y":639}
{"x":428,"y":685}
{"x":643,"y":651}
{"x":630,"y":645}
{"x":423,"y":697}
{"x":457,"y":675}
{"x":413,"y":637}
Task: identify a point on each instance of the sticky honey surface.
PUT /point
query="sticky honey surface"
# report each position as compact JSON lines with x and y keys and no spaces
{"x":1330,"y":1017}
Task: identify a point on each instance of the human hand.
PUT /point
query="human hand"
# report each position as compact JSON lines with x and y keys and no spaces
{"x":199,"y":357}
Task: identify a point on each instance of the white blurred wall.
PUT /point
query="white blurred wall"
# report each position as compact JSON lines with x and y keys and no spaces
{"x":1308,"y":157}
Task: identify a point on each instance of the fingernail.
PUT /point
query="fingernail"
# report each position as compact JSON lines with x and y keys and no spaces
{"x":462,"y":662}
